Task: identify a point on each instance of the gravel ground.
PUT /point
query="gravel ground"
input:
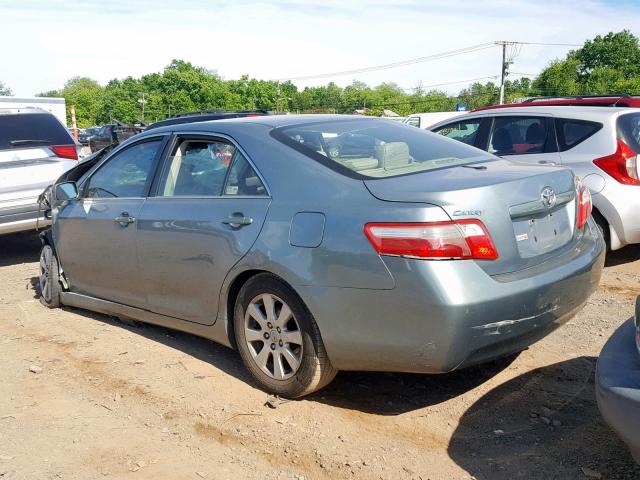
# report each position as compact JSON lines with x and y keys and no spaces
{"x":83,"y":396}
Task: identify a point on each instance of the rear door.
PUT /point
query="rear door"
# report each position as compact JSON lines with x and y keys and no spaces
{"x":524,"y":138}
{"x":208,"y":210}
{"x":96,"y":235}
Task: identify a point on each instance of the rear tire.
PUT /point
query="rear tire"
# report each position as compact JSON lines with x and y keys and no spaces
{"x":278,"y":339}
{"x":603,"y":226}
{"x":49,"y":279}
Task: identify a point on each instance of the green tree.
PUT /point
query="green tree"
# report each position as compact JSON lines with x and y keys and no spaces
{"x":618,"y":51}
{"x":86,"y":94}
{"x":4,"y":90}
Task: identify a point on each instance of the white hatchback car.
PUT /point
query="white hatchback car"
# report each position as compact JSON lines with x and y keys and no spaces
{"x":601,"y":144}
{"x":35,"y":149}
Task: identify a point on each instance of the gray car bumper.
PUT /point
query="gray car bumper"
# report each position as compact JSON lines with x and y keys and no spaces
{"x":618,"y":385}
{"x":444,"y":315}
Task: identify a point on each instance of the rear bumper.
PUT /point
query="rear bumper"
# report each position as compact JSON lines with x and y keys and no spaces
{"x":446,"y":314}
{"x":618,"y":385}
{"x":619,"y":204}
{"x":26,"y":219}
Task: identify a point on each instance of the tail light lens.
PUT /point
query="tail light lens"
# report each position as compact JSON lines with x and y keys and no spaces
{"x":622,"y":165}
{"x":65,"y":151}
{"x":584,"y":205}
{"x":462,"y":239}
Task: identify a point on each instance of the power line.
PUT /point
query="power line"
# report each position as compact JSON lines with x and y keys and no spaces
{"x":492,"y":77}
{"x":402,"y":63}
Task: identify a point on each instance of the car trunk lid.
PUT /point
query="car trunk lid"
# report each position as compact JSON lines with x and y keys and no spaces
{"x":529,"y":210}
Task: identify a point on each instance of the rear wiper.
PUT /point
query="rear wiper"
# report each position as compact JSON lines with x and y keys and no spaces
{"x":29,"y":142}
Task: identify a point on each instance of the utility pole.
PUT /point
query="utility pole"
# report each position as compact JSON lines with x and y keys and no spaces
{"x":504,"y":70}
{"x":142,"y":101}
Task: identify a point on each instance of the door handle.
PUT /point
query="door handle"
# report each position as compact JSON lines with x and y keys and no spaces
{"x":544,"y":162}
{"x":124,"y":219}
{"x":237,"y":220}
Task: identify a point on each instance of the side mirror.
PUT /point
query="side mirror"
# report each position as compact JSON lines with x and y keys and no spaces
{"x":65,"y":191}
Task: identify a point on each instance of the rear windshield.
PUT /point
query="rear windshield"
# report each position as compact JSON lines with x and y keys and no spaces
{"x":376,"y":148}
{"x":629,"y":130}
{"x":31,"y":130}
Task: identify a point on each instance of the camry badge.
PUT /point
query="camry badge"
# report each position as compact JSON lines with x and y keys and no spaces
{"x":548,"y":197}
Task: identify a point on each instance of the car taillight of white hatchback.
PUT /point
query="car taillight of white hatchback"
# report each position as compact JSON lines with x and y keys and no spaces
{"x":462,"y":239}
{"x":621,"y":165}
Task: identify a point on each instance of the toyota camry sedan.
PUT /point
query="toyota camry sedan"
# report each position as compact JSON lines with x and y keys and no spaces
{"x":313,"y":244}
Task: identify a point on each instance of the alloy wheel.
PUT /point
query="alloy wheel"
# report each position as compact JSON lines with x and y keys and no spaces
{"x":273,"y":336}
{"x":45,"y":278}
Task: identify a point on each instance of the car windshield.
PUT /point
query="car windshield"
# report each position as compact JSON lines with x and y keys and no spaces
{"x":629,"y":130}
{"x":375,"y":148}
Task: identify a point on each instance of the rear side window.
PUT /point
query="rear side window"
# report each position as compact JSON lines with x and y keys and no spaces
{"x":376,"y":148}
{"x":572,"y":132}
{"x":32,"y":130}
{"x":521,"y":136}
{"x":465,"y":132}
{"x":629,"y":130}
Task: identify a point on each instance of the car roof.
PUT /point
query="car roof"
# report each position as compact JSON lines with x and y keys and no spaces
{"x":273,"y":121}
{"x":570,"y":111}
{"x":611,"y":100}
{"x":21,"y":110}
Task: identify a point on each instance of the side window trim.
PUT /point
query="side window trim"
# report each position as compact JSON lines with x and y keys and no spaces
{"x":157,"y":161}
{"x":179,"y":137}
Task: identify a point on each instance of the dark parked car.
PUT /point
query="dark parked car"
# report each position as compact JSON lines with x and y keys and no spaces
{"x":314,"y":244}
{"x":85,"y":134}
{"x":112,"y":134}
{"x":618,"y":382}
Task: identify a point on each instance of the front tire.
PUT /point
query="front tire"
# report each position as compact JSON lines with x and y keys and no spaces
{"x":49,"y":278}
{"x":278,"y":339}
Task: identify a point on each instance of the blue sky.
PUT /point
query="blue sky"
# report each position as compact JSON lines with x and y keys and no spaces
{"x":47,"y":42}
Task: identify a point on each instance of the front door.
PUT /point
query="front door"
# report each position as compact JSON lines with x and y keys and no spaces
{"x":207,"y":212}
{"x":96,"y":235}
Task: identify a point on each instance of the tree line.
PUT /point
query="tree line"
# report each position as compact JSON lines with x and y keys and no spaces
{"x":605,"y":64}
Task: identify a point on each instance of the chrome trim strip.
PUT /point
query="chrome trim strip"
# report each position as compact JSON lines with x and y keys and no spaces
{"x":535,"y":207}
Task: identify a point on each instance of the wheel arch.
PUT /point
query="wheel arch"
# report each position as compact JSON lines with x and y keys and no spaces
{"x":231,"y":292}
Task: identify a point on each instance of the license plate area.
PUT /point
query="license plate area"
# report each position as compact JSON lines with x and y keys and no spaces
{"x":543,"y":232}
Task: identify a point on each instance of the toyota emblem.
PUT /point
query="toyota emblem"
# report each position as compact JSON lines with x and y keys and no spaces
{"x":548,"y":197}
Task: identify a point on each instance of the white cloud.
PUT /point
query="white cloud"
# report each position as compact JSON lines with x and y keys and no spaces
{"x":45,"y":43}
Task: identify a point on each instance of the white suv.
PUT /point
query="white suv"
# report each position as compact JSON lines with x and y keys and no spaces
{"x":35,"y":149}
{"x":601,"y":144}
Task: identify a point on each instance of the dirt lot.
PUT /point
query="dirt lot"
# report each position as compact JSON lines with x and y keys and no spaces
{"x":118,"y":401}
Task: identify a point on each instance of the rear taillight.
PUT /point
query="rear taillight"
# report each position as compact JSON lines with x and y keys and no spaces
{"x":65,"y":151}
{"x":584,"y":204}
{"x":622,"y":165}
{"x":462,"y":239}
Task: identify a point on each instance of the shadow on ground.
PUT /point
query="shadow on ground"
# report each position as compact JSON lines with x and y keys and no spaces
{"x":628,"y":254}
{"x":18,"y":248}
{"x":503,"y":435}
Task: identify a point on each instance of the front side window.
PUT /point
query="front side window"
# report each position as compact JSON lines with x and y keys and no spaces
{"x":200,"y":168}
{"x":126,"y":173}
{"x":375,"y":148}
{"x":520,"y":136}
{"x":463,"y":131}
